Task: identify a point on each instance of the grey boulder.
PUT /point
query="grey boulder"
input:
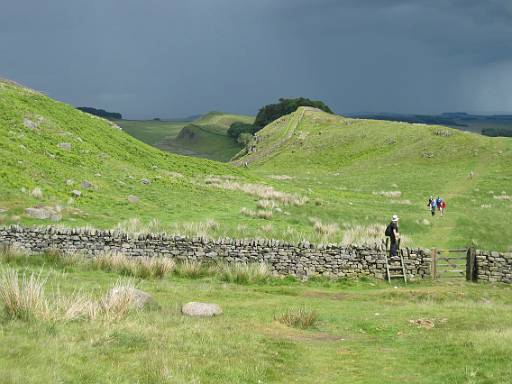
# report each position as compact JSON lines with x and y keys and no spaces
{"x":201,"y":309}
{"x":138,"y":299}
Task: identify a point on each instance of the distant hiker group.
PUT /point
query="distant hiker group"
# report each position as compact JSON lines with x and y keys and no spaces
{"x":438,"y":204}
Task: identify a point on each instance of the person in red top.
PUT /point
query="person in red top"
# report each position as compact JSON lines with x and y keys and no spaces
{"x":443,"y":206}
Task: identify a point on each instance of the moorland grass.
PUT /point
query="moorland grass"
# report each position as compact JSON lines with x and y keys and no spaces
{"x":364,"y":331}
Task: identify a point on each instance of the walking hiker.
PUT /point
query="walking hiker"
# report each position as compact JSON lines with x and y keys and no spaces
{"x":443,"y":207}
{"x":430,"y":201}
{"x":394,"y":236}
{"x":438,"y":202}
{"x":433,"y":206}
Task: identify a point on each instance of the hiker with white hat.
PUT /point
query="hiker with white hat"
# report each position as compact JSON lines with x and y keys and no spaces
{"x":394,"y":235}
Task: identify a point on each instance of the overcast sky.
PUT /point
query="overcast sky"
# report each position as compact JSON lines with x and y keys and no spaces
{"x":171,"y":58}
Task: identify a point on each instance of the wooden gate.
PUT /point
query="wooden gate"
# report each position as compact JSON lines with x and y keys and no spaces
{"x":452,"y":263}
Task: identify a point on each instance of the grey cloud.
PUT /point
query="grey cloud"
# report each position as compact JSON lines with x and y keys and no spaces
{"x":181,"y":57}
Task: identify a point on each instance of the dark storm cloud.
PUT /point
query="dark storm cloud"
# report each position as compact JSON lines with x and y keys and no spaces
{"x":181,"y":57}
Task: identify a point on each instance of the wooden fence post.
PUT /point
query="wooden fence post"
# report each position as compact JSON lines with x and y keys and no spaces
{"x":433,"y":269}
{"x":471,"y":265}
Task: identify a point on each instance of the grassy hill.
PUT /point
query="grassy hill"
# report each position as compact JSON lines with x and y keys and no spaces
{"x":152,"y":132}
{"x":313,"y":176}
{"x":49,"y":149}
{"x":362,"y":171}
{"x":204,"y":137}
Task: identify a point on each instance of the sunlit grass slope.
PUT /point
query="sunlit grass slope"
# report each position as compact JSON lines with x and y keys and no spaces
{"x":364,"y":171}
{"x":48,"y":149}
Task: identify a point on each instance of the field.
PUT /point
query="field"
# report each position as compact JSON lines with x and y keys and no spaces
{"x":361,"y":331}
{"x":313,"y":176}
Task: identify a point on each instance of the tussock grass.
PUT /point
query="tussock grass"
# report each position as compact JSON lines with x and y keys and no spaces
{"x":190,"y":269}
{"x":24,"y":298}
{"x":78,"y":307}
{"x":240,"y":273}
{"x":297,"y":318}
{"x":117,"y":306}
{"x":142,"y":267}
{"x":261,"y":214}
{"x":391,"y":194}
{"x":324,"y":229}
{"x":265,"y":204}
{"x":364,"y":235}
{"x":37,"y":193}
{"x":10,"y":253}
{"x":207,"y":228}
{"x":135,"y":226}
{"x":261,"y":191}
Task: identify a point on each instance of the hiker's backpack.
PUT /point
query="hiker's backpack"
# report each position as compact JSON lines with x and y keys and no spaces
{"x":389,"y":230}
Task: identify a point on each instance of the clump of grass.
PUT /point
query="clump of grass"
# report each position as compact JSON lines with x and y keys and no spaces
{"x":247,"y":212}
{"x":142,"y":267}
{"x":267,"y":228}
{"x":297,"y":318}
{"x":206,"y":229}
{"x":37,"y":193}
{"x":190,"y":269}
{"x":10,"y":253}
{"x":325,"y":229}
{"x":262,"y":214}
{"x":135,"y":226}
{"x":116,"y":306}
{"x":391,"y":194}
{"x":265,"y":204}
{"x":240,"y":273}
{"x":23,"y":298}
{"x":153,"y":267}
{"x":370,"y":235}
{"x":260,"y":191}
{"x":267,"y":215}
{"x":503,"y":196}
{"x":79,"y":307}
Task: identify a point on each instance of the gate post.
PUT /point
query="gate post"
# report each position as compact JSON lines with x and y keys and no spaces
{"x":471,"y":265}
{"x":433,"y":265}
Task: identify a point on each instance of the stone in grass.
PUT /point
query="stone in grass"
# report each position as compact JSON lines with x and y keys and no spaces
{"x":38,"y":213}
{"x":86,"y":184}
{"x":145,"y":181}
{"x":76,"y":193}
{"x":201,"y":309}
{"x":70,"y":182}
{"x":133,"y":199}
{"x":44,"y":213}
{"x":138,"y":299}
{"x":64,"y":146}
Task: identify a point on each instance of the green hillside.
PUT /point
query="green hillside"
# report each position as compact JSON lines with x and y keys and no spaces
{"x":362,"y":171}
{"x":311,"y":175}
{"x":49,"y":149}
{"x":206,"y":137}
{"x":152,"y":132}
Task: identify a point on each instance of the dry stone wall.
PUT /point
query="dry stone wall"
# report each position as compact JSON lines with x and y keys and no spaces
{"x":494,"y":266}
{"x":301,"y":260}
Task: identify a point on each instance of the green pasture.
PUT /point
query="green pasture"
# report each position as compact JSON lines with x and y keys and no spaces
{"x":365,"y":332}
